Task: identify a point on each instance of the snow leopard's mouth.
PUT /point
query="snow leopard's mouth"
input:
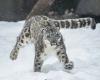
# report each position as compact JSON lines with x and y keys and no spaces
{"x":52,"y":44}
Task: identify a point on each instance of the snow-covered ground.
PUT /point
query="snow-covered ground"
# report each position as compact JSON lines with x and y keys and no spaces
{"x":83,"y":48}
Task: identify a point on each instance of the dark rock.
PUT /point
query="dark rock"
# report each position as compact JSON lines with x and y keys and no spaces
{"x":15,"y":10}
{"x":86,"y":7}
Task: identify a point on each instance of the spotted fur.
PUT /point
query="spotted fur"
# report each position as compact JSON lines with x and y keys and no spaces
{"x":42,"y":30}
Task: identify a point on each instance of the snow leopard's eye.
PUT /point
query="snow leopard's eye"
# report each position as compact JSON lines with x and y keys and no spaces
{"x":48,"y":36}
{"x":57,"y":34}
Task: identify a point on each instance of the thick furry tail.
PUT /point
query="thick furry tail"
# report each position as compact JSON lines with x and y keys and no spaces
{"x":76,"y":23}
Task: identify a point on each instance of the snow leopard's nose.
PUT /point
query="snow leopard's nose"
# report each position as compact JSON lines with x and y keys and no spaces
{"x":53,"y":42}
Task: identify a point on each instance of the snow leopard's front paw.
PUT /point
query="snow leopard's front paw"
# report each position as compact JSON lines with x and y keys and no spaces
{"x":69,"y":65}
{"x":13,"y":55}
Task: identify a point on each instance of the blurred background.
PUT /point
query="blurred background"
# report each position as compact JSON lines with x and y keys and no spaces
{"x":16,"y":10}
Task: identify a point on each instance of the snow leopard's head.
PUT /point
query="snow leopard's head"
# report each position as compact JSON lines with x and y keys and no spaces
{"x":52,"y":35}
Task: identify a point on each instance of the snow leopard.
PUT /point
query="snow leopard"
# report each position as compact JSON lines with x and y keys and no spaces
{"x":41,"y":31}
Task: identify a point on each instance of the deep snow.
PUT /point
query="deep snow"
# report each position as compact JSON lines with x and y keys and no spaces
{"x":83,"y":48}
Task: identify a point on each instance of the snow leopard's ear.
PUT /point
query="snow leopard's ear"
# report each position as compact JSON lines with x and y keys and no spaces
{"x":43,"y":30}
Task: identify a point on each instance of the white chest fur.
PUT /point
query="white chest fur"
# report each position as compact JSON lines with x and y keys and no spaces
{"x":49,"y":50}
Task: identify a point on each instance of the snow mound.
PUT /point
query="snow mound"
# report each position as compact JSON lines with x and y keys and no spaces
{"x":83,"y":48}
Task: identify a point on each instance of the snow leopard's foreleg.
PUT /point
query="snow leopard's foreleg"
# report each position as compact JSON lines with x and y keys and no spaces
{"x":39,"y":51}
{"x":22,"y":40}
{"x":62,"y":55}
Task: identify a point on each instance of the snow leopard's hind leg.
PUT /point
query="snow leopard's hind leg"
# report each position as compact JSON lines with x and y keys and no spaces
{"x":62,"y":55}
